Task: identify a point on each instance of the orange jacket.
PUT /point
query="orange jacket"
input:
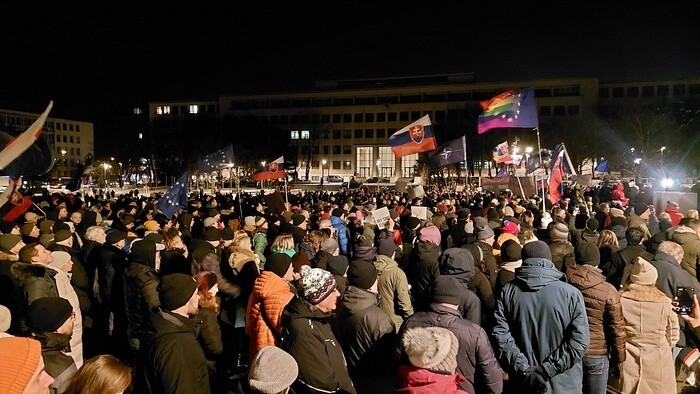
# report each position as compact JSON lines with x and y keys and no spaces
{"x":274,"y":293}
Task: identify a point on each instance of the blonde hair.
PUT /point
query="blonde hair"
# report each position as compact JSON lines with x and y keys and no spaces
{"x":171,"y":241}
{"x":101,"y":374}
{"x":240,"y":236}
{"x":315,"y":238}
{"x":607,"y":237}
{"x":283,"y":241}
{"x":693,"y":214}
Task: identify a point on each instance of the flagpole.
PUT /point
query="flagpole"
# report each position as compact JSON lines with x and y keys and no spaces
{"x":539,"y":150}
{"x":240,"y":204}
{"x":466,"y":166}
{"x":522,"y":192}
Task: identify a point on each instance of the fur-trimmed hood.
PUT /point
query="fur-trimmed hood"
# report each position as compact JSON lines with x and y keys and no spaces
{"x":23,"y":271}
{"x":643,"y":293}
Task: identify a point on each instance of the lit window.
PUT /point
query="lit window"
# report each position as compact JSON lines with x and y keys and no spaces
{"x":294,"y":134}
{"x":138,"y":111}
{"x":194,"y":109}
{"x":166,"y":109}
{"x":159,"y":110}
{"x":305,"y":134}
{"x":140,"y":136}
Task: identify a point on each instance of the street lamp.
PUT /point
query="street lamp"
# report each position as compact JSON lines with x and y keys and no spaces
{"x":105,"y":166}
{"x":379,"y":166}
{"x":323,"y":165}
{"x":121,"y":177}
{"x":262,"y":183}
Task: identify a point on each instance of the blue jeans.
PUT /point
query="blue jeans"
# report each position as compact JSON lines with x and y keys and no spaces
{"x":595,"y":374}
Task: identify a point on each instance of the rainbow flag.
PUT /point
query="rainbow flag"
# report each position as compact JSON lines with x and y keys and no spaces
{"x":415,"y":138}
{"x":514,"y":108}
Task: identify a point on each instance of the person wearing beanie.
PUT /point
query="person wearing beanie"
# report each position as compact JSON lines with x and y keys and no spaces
{"x":484,"y":253}
{"x":309,"y":338}
{"x":63,"y":265}
{"x":392,"y":284}
{"x":63,"y":242}
{"x":297,"y":228}
{"x":423,"y":266}
{"x":606,"y":350}
{"x":475,"y":357}
{"x":367,"y":333}
{"x":473,"y":290}
{"x":281,"y":265}
{"x":639,"y":216}
{"x":617,"y":270}
{"x":338,"y":266}
{"x":30,"y":233}
{"x":432,"y":353}
{"x":210,"y":243}
{"x":649,"y":319}
{"x":562,"y":250}
{"x":11,"y":243}
{"x":526,"y":328}
{"x":51,"y":322}
{"x":272,"y":371}
{"x":510,"y":261}
{"x":590,"y":233}
{"x":141,"y":289}
{"x":22,"y":368}
{"x":458,"y":234}
{"x":174,"y":360}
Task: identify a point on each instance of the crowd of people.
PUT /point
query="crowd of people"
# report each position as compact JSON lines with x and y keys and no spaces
{"x":480,"y":292}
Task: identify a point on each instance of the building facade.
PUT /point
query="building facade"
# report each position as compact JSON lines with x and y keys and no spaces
{"x":342,"y":127}
{"x":72,"y":141}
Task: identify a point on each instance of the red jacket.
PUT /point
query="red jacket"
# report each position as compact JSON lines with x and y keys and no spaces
{"x":416,"y":380}
{"x":675,"y":214}
{"x":619,"y":194}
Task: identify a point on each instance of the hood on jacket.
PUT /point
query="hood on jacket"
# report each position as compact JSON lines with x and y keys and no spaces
{"x":269,"y":284}
{"x":584,"y":276}
{"x":24,"y":271}
{"x":297,"y":309}
{"x":169,"y":323}
{"x":367,"y":253}
{"x":427,"y":251}
{"x":356,"y":300}
{"x":53,"y":341}
{"x":684,"y":234}
{"x":419,"y":380}
{"x":144,"y":252}
{"x":384,"y":264}
{"x":536,"y":273}
{"x":457,"y":262}
{"x":665,"y":258}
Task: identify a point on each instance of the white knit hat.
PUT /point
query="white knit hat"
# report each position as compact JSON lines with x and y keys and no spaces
{"x":431,"y":348}
{"x":272,"y":370}
{"x":315,"y":284}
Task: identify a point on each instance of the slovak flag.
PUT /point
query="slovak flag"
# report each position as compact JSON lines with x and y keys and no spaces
{"x":415,"y":138}
{"x":273,"y":170}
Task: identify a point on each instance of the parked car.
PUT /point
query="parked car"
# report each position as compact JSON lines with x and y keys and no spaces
{"x":334,"y":178}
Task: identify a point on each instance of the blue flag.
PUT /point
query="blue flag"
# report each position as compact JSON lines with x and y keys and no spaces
{"x":176,"y":197}
{"x":216,"y":160}
{"x":448,"y":153}
{"x":602,"y":166}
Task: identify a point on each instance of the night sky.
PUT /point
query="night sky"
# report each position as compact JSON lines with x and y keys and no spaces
{"x":91,"y":56}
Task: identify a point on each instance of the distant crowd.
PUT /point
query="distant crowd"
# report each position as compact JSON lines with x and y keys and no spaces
{"x":480,"y":292}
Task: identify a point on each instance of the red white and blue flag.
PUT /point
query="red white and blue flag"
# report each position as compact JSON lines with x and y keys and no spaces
{"x":561,"y":164}
{"x":273,"y":170}
{"x":417,"y":137}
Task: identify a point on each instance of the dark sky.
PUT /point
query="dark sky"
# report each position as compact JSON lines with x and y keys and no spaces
{"x":91,"y":56}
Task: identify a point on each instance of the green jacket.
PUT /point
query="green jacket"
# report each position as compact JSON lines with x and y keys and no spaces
{"x":395,"y":298}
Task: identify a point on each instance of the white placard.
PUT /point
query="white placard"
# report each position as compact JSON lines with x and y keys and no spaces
{"x":381,"y":216}
{"x":420,"y":212}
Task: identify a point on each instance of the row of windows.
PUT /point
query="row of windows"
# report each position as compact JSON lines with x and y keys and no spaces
{"x":648,"y":91}
{"x":334,"y":165}
{"x":68,"y":151}
{"x":403,"y":116}
{"x":66,"y":162}
{"x":63,"y":138}
{"x":24,"y":121}
{"x":561,"y":91}
{"x":185,"y":109}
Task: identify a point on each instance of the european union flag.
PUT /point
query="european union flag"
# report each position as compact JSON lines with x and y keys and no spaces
{"x":602,"y":166}
{"x":176,"y":197}
{"x":214,"y":161}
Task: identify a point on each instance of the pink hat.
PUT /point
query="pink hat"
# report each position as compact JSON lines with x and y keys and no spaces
{"x":510,"y":227}
{"x":430,"y":234}
{"x":358,"y":215}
